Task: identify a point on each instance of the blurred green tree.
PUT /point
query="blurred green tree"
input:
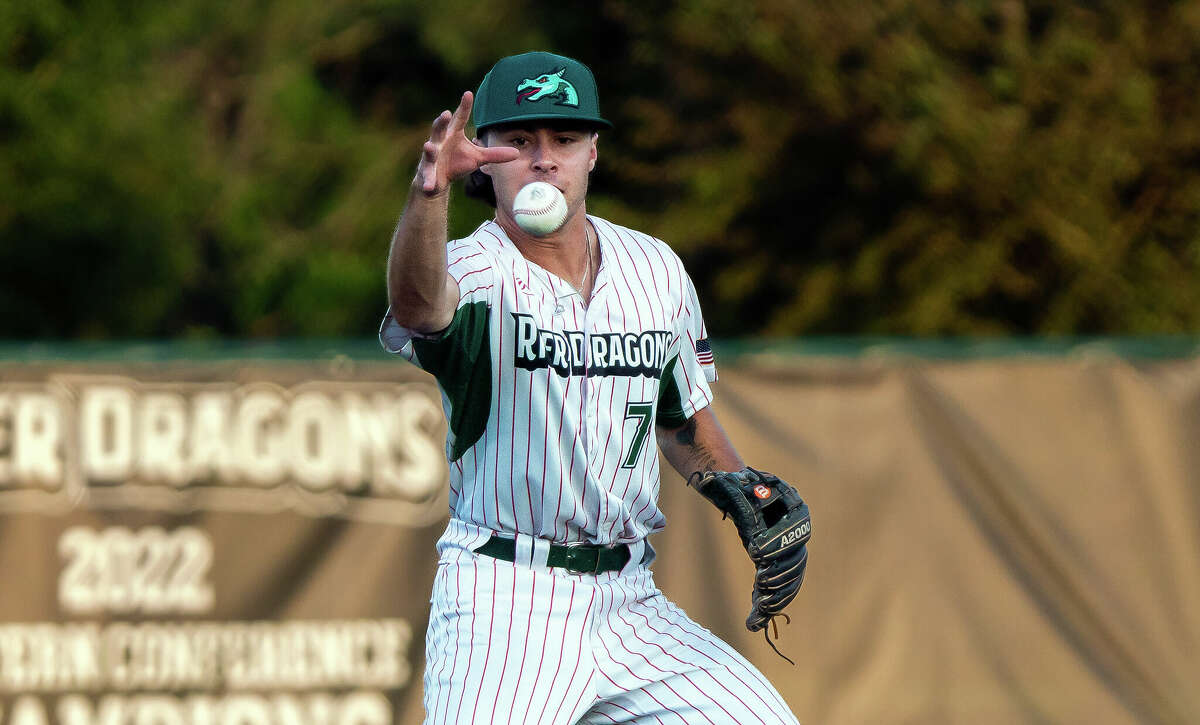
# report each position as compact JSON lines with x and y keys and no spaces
{"x":891,"y":166}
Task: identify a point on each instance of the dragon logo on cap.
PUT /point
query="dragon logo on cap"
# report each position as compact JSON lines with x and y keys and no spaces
{"x":548,"y":85}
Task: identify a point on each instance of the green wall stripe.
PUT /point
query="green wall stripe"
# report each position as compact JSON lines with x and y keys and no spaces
{"x":367,"y":349}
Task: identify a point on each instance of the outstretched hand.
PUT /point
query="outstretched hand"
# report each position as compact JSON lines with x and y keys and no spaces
{"x":450,"y":155}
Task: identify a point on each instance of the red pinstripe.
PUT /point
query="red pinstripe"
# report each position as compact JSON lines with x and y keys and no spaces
{"x":600,"y":497}
{"x":636,"y":309}
{"x":581,"y":427}
{"x":486,"y":229}
{"x":650,"y":499}
{"x":458,"y":635}
{"x":682,"y":295}
{"x":499,"y":391}
{"x":562,"y":416}
{"x":504,"y":667}
{"x":623,"y":709}
{"x":512,"y":459}
{"x":474,"y":482}
{"x":579,"y":657}
{"x":574,"y":499}
{"x":696,"y":704}
{"x":605,"y":714}
{"x":528,"y":451}
{"x":541,"y":660}
{"x":430,"y":677}
{"x":468,"y":293}
{"x":482,"y":478}
{"x":471,"y":644}
{"x":487,"y":656}
{"x":625,"y":315}
{"x":545,"y":457}
{"x":455,"y":491}
{"x":614,"y":660}
{"x":581,"y":423}
{"x":646,"y":691}
{"x":473,"y":271}
{"x":658,"y":295}
{"x":746,"y":707}
{"x":614,"y":682}
{"x":621,"y":641}
{"x":601,"y":282}
{"x":582,"y":691}
{"x":463,"y":258}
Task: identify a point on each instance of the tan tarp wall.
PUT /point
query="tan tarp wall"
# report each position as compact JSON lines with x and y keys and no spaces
{"x":1005,"y":541}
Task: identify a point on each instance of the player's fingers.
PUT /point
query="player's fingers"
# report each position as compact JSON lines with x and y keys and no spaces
{"x":440,"y":124}
{"x":497,"y":154}
{"x":458,"y":121}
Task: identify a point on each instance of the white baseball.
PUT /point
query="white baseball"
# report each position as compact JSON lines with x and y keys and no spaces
{"x":539,"y":208}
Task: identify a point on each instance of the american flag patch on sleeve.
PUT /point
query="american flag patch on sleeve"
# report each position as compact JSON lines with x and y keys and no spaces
{"x":704,"y":356}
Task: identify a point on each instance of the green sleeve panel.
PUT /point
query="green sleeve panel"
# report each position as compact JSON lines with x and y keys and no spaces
{"x":461,"y":360}
{"x":670,"y":403}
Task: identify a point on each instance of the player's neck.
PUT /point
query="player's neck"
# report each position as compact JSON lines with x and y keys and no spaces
{"x":571,"y":253}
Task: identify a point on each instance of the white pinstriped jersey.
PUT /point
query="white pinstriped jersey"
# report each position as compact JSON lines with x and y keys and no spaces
{"x":552,"y":404}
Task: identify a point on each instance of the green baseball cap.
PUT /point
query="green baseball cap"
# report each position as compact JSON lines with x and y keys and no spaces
{"x":537,"y":86}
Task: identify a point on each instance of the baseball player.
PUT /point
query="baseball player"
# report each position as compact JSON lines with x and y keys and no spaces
{"x":556,"y":356}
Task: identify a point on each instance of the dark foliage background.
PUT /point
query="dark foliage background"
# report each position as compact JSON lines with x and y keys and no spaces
{"x":910,"y":167}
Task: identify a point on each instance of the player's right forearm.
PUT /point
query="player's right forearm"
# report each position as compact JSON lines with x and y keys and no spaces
{"x":420,"y":291}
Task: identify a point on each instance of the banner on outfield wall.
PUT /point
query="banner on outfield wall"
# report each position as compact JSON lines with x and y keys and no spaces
{"x":216,"y":544}
{"x":996,"y":540}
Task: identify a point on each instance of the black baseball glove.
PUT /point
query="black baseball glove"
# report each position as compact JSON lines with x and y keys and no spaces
{"x":774,"y":524}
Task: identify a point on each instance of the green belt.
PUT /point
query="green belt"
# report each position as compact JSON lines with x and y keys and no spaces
{"x":580,"y":559}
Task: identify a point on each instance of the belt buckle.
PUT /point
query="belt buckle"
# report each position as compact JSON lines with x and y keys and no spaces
{"x":576,"y":555}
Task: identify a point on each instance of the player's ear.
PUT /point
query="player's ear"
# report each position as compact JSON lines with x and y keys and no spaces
{"x":592,"y":153}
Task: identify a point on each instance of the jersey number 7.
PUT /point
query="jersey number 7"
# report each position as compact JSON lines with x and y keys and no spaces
{"x":643,"y":413}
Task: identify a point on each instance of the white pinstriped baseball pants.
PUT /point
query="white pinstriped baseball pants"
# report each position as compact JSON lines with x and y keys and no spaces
{"x":520,"y":643}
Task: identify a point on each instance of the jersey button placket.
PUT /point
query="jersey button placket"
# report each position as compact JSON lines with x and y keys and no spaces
{"x":591,"y":312}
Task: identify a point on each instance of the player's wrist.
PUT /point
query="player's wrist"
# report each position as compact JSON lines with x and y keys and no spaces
{"x":440,"y":189}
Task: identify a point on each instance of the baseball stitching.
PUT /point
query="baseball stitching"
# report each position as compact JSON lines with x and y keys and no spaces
{"x":538,"y":211}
